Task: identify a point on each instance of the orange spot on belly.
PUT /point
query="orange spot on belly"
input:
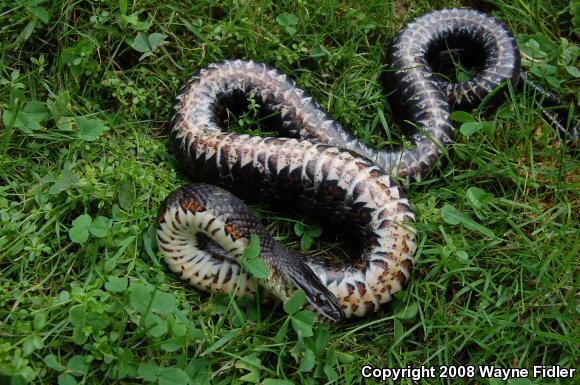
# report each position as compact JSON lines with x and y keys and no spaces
{"x":191,"y":205}
{"x":232,"y":232}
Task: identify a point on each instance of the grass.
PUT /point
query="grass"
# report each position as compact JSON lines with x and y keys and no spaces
{"x":85,"y":95}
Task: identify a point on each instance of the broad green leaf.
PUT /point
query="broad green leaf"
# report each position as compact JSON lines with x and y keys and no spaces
{"x":574,"y":71}
{"x":451,"y":215}
{"x":126,"y":369}
{"x":133,"y":21}
{"x":149,"y":243}
{"x":329,"y":365}
{"x":39,"y":321}
{"x":487,"y":127}
{"x":76,"y":314}
{"x":66,"y":123}
{"x":96,"y":320}
{"x":28,"y":119}
{"x":117,"y":284}
{"x":470,"y":128}
{"x":295,"y":302}
{"x":79,"y":335}
{"x":345,"y":358}
{"x":89,"y":129}
{"x":140,"y":297}
{"x":170,"y":346}
{"x":51,"y":361}
{"x":463,"y":76}
{"x":74,"y":55}
{"x":408,"y":312}
{"x":178,"y":329}
{"x":83,"y":220}
{"x":538,"y":46}
{"x":163,"y":303}
{"x":253,"y":248}
{"x":63,"y":296}
{"x":36,"y":111}
{"x":31,"y":344}
{"x":462,"y":255}
{"x":156,"y":40}
{"x":141,"y":43}
{"x":16,"y":95}
{"x":322,"y":340}
{"x":554,"y":82}
{"x":318,"y":52}
{"x":20,"y":121}
{"x":100,"y":226}
{"x":298,"y":228}
{"x":461,"y":117}
{"x":148,"y":371}
{"x":251,"y":261}
{"x":66,"y":379}
{"x":66,"y":179}
{"x":173,"y":376}
{"x":543,"y":70}
{"x":256,"y":267}
{"x":478,"y":197}
{"x":307,"y":362}
{"x":252,"y":377}
{"x":126,"y":195}
{"x":314,"y":231}
{"x":76,"y":364}
{"x":398,"y":329}
{"x":254,"y":365}
{"x":39,"y":12}
{"x":302,"y":322}
{"x":26,"y":32}
{"x":79,"y":232}
{"x":305,"y":242}
{"x":155,"y":325}
{"x":286,"y":19}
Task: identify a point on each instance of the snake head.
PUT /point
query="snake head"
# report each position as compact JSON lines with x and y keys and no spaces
{"x":326,"y":306}
{"x":300,"y":276}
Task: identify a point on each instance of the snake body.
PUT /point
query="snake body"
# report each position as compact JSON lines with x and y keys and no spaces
{"x":318,"y":167}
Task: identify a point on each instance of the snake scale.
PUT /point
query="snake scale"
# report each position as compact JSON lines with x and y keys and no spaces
{"x":318,"y":167}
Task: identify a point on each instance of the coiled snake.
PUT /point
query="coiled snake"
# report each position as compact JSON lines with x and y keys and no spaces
{"x":319,"y":167}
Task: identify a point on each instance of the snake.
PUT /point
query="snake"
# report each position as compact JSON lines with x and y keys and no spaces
{"x":318,"y":167}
